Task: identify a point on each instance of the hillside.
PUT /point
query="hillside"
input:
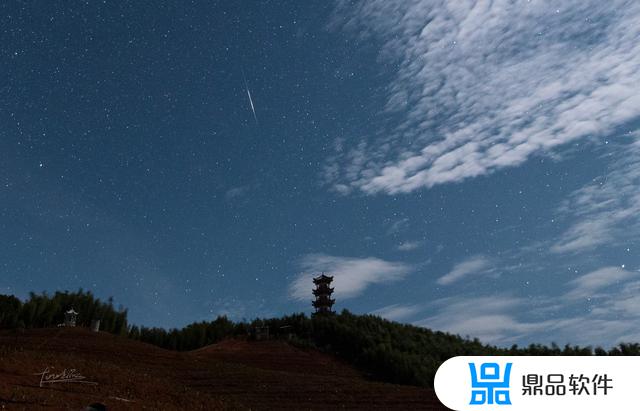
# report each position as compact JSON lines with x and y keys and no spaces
{"x":382,"y":350}
{"x":233,"y":374}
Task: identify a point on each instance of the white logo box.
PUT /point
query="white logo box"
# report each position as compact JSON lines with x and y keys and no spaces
{"x":617,"y":382}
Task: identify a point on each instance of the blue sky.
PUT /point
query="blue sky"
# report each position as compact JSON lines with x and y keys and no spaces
{"x":465,"y":166}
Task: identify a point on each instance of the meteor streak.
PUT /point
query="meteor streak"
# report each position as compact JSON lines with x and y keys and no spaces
{"x":246,"y":86}
{"x":252,"y":107}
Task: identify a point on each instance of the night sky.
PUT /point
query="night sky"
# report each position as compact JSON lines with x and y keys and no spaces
{"x":465,"y":166}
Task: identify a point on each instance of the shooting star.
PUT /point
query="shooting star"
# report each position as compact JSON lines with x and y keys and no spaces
{"x":253,"y":109}
{"x":246,"y":86}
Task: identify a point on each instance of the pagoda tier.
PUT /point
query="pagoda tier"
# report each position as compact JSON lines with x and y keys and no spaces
{"x":323,"y":291}
{"x":323,"y":302}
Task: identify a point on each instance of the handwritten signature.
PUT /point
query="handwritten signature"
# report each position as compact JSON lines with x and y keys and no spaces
{"x":66,"y":375}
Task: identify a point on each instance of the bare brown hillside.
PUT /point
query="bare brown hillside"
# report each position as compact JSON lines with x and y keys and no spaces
{"x":233,"y":374}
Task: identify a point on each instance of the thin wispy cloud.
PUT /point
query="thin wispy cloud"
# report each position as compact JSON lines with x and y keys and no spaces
{"x":491,"y":319}
{"x":606,"y":211}
{"x":481,"y":86}
{"x":473,"y":265}
{"x":601,"y":307}
{"x":397,"y":312}
{"x":237,"y":192}
{"x":410,"y":245}
{"x":351,"y":275}
{"x":397,"y":226}
{"x":588,"y":285}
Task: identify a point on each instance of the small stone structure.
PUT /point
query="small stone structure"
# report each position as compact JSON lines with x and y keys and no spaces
{"x":70,"y":318}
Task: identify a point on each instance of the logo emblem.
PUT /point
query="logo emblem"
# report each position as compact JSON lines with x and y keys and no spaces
{"x":490,"y":388}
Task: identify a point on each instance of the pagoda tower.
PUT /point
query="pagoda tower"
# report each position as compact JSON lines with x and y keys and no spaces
{"x":322,"y":292}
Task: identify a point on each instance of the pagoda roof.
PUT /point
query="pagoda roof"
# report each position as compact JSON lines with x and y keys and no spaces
{"x":322,"y":278}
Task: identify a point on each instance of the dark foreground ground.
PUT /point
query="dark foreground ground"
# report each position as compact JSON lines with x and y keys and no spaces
{"x":236,"y":374}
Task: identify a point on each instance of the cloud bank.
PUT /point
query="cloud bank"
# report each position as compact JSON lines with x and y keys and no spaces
{"x":601,"y":307}
{"x":483,"y":85}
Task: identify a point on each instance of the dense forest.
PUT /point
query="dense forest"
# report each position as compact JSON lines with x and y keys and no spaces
{"x":386,"y":350}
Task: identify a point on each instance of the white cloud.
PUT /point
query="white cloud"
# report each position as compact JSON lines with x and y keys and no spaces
{"x":351,"y":275}
{"x":589,"y":284}
{"x":485,"y":85}
{"x":473,"y":265}
{"x":584,"y":235}
{"x":397,"y":312}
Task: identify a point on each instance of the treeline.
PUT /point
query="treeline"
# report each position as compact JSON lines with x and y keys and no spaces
{"x":192,"y":336}
{"x":48,"y":311}
{"x":388,"y":351}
